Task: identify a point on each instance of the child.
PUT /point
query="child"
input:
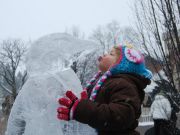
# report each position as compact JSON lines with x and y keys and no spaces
{"x":114,"y":96}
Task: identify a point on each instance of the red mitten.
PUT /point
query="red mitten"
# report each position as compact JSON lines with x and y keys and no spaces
{"x":69,"y":105}
{"x":84,"y":94}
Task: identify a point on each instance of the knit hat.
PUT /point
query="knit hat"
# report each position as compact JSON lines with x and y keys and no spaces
{"x":130,"y":61}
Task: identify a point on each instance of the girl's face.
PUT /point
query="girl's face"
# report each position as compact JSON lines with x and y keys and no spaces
{"x":107,"y":60}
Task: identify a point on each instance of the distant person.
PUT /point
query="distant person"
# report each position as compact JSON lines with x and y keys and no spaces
{"x":114,"y":96}
{"x":175,"y":108}
{"x":161,"y":114}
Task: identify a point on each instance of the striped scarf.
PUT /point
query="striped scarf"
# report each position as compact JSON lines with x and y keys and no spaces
{"x":96,"y":82}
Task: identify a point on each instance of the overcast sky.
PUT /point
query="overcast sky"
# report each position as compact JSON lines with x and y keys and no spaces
{"x":31,"y":19}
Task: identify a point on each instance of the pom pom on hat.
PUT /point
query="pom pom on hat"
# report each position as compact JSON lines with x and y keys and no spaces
{"x":133,"y":55}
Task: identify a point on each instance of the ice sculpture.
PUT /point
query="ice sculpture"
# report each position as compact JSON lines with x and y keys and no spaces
{"x":34,"y":110}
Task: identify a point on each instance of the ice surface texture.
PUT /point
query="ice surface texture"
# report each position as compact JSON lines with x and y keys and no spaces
{"x":34,"y":110}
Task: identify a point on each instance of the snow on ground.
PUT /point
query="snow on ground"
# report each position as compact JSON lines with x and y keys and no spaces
{"x":146,"y":123}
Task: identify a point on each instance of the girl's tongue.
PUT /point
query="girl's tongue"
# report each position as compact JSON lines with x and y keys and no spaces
{"x":100,"y":58}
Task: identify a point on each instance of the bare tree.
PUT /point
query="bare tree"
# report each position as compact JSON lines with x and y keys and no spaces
{"x":76,"y":32}
{"x":107,"y":35}
{"x":158,"y":25}
{"x":113,"y":31}
{"x":85,"y":65}
{"x":99,"y":36}
{"x":11,"y":55}
{"x":112,"y":34}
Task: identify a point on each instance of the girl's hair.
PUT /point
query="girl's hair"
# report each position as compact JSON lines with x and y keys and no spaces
{"x":117,"y":50}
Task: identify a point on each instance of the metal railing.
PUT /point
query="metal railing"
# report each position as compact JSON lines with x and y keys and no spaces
{"x":145,"y":118}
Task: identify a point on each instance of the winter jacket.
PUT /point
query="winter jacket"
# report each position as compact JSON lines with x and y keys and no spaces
{"x":161,"y":108}
{"x":117,"y":106}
